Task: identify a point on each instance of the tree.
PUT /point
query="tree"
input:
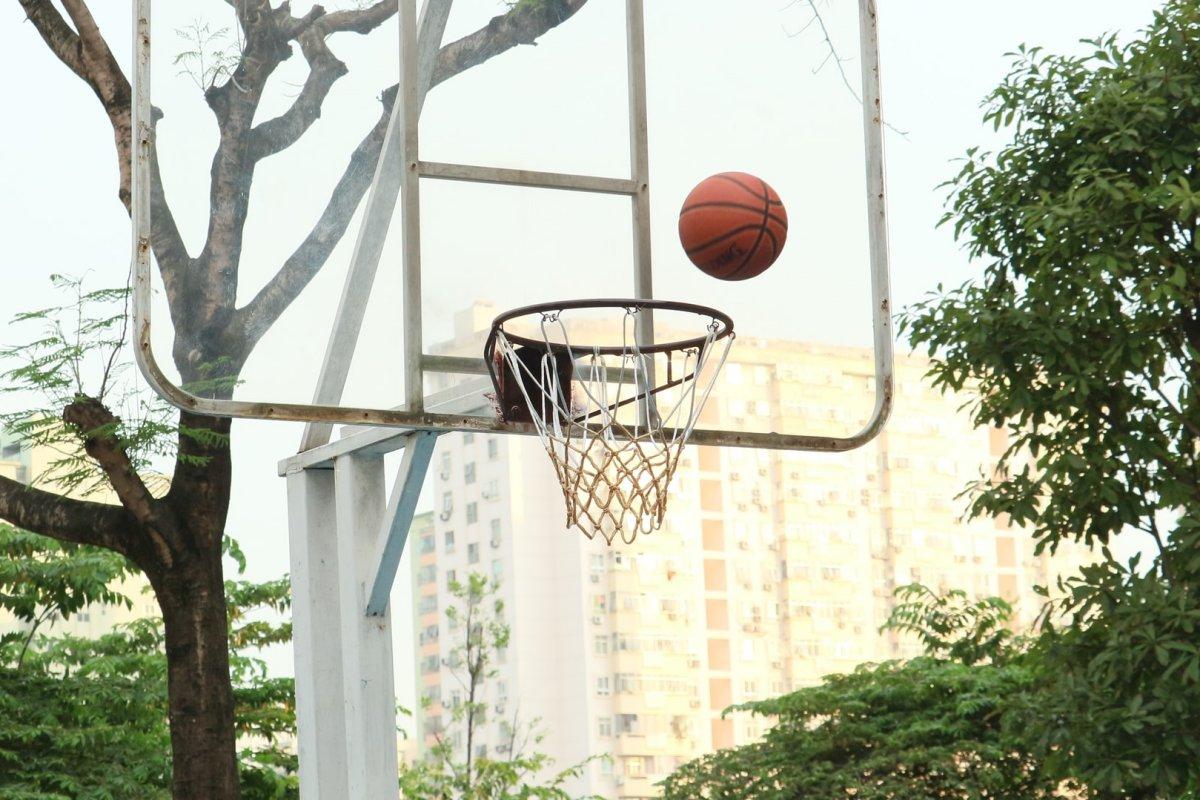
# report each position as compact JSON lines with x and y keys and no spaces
{"x":931,"y":727}
{"x":1082,"y":337}
{"x":82,"y":718}
{"x":176,"y":538}
{"x":451,"y":770}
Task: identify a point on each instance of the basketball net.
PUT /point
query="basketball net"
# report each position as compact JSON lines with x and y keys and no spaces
{"x":614,"y":434}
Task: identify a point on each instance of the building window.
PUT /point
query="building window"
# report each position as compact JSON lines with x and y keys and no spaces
{"x":601,"y":645}
{"x":604,"y":726}
{"x":427,"y":574}
{"x":497,"y":568}
{"x":428,"y":604}
{"x":430,"y":634}
{"x":445,"y":465}
{"x":491,"y":490}
{"x":447,"y":505}
{"x":635,"y":767}
{"x":427,"y":543}
{"x":603,"y":686}
{"x":450,"y":578}
{"x":472,"y":513}
{"x":469,"y":473}
{"x":627,"y":724}
{"x":493,"y":448}
{"x":473,"y":553}
{"x":495,"y":533}
{"x":449,"y":541}
{"x":468,"y":438}
{"x":429,"y":664}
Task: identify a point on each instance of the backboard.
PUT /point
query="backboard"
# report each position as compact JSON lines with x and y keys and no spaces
{"x":330,"y":210}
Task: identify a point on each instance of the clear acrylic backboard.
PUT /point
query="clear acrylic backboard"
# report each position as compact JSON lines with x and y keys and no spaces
{"x":365,"y":235}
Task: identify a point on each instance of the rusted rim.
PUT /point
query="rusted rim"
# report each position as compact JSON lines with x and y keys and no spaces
{"x":717,"y":317}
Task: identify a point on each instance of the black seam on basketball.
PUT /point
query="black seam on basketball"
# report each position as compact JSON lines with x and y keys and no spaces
{"x":774,"y":245}
{"x":721,"y":238}
{"x":742,"y":206}
{"x":766,"y":212}
{"x":766,"y":197}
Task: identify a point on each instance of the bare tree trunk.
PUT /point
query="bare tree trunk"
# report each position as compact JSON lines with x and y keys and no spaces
{"x":201,"y":708}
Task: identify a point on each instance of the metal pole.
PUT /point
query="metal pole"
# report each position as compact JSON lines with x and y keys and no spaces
{"x":372,"y":233}
{"x":410,"y":209}
{"x":321,"y":728}
{"x":639,"y":163}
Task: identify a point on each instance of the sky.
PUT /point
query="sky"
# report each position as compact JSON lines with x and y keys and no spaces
{"x":732,"y":86}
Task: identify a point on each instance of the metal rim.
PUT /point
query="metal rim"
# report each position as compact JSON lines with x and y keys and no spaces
{"x":719,"y":317}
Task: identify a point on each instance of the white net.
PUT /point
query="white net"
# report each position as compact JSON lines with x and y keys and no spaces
{"x":613,"y":419}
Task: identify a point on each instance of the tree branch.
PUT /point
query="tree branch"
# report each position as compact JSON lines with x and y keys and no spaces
{"x":58,"y":35}
{"x":302,"y":266}
{"x":283,"y":131}
{"x":97,"y":426}
{"x":523,"y":24}
{"x":87,"y":55}
{"x":357,"y":20}
{"x":65,"y":519}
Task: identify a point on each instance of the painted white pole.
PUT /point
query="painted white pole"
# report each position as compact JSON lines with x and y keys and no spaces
{"x":317,"y":635}
{"x":368,"y":690}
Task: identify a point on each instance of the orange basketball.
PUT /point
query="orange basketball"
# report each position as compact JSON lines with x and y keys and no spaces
{"x":733,"y":226}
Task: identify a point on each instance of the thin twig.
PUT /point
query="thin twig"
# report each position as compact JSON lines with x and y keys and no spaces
{"x":836,"y":58}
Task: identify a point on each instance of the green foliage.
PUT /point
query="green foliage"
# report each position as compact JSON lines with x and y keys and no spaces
{"x":42,"y":579}
{"x":87,"y":719}
{"x":78,"y":352}
{"x":952,"y":625}
{"x":450,"y":771}
{"x":1118,"y":699}
{"x":1082,"y":339}
{"x":929,"y":728}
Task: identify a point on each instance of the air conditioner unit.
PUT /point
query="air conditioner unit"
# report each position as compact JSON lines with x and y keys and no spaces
{"x":445,"y":515}
{"x":694,"y":703}
{"x":597,"y":620}
{"x":595,"y":577}
{"x":735,"y":476}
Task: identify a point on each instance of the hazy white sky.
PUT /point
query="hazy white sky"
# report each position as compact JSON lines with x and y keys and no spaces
{"x":729,"y":89}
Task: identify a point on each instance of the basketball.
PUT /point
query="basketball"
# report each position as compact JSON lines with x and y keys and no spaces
{"x":733,"y":226}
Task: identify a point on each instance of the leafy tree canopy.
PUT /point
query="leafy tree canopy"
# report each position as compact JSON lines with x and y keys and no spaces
{"x":932,"y":727}
{"x":86,"y":719}
{"x":1082,"y":337}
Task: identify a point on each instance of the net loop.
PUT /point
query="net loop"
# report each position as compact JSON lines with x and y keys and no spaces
{"x":613,"y":431}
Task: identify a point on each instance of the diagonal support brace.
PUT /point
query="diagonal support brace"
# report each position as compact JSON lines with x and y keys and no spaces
{"x":397,"y":520}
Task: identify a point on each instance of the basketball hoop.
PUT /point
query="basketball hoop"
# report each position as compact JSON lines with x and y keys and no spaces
{"x":613,"y":430}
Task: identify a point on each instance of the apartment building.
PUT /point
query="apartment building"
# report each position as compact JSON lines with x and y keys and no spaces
{"x":772,"y":570}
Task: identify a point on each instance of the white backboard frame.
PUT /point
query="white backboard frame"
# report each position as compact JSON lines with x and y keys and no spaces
{"x":398,"y":179}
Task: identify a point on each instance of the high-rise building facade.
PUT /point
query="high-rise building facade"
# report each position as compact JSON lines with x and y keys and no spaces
{"x":772,"y":570}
